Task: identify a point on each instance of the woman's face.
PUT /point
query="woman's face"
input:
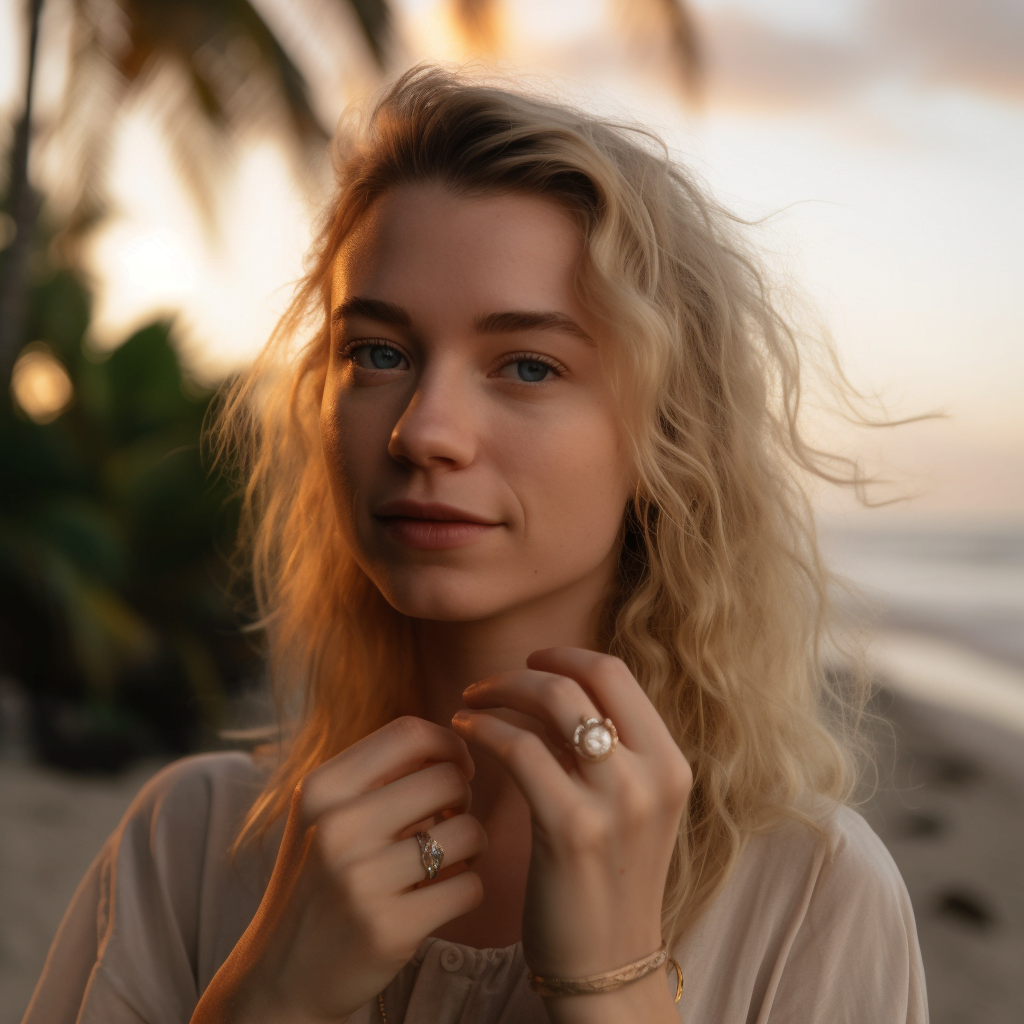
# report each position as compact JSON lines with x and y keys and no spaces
{"x":469,"y":429}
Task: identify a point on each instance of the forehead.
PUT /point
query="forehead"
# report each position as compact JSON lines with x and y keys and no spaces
{"x":422,"y":241}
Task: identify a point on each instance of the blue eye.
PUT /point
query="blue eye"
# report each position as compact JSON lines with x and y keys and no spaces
{"x":377,"y":357}
{"x":385,"y":358}
{"x":531,"y":371}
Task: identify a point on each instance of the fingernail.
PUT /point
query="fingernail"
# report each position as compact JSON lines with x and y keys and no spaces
{"x":469,"y":689}
{"x":462,"y":716}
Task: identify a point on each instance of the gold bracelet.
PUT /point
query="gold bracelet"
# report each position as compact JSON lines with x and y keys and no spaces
{"x":610,"y":980}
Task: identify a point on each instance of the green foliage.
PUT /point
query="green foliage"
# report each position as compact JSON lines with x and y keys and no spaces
{"x":114,"y":607}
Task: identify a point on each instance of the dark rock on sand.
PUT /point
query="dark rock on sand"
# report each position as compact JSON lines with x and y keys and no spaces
{"x":950,"y":808}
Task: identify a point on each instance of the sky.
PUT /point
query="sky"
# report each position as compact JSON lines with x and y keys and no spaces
{"x":883,"y":140}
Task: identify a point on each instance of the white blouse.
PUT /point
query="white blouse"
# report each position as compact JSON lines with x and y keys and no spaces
{"x":807,"y":928}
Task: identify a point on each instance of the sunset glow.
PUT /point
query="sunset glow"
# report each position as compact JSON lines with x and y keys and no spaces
{"x":887,"y":160}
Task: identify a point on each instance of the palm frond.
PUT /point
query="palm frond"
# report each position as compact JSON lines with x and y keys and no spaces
{"x":662,"y":28}
{"x":374,"y":17}
{"x":684,"y":41}
{"x":477,"y":20}
{"x":211,"y":71}
{"x":666,"y":30}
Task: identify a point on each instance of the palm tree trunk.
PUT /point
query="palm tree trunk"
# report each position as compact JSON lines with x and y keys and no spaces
{"x":23,"y":208}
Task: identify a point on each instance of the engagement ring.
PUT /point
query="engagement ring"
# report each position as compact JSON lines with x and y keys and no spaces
{"x":594,"y":740}
{"x":430,"y":853}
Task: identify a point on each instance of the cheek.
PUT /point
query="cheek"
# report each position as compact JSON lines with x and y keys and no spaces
{"x":350,"y":438}
{"x":574,"y":491}
{"x":332,"y":440}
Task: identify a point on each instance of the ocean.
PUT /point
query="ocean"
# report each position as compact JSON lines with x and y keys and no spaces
{"x":963,"y":582}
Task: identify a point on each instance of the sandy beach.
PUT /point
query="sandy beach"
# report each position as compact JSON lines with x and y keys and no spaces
{"x":51,"y":827}
{"x":949,"y":805}
{"x":950,"y":809}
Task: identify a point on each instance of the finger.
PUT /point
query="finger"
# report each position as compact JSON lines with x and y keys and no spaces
{"x":384,"y":814}
{"x":401,"y":863}
{"x":545,"y":784}
{"x":556,"y":700}
{"x":422,"y":911}
{"x":393,"y":751}
{"x":613,"y":689}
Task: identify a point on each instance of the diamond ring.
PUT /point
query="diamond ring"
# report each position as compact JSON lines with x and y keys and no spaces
{"x":431,"y":853}
{"x":594,"y":739}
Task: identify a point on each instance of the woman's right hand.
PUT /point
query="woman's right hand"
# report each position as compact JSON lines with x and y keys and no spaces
{"x":344,"y":911}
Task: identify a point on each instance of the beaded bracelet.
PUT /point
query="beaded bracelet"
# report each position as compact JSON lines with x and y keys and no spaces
{"x":610,"y":980}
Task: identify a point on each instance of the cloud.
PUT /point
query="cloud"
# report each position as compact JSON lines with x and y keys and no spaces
{"x":754,"y":63}
{"x":977,"y":45}
{"x":974,"y":44}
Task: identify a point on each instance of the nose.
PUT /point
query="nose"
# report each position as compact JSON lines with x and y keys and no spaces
{"x":435,"y":431}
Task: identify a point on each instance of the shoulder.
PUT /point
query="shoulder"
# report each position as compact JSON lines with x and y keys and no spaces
{"x":853,"y":945}
{"x":836,"y":938}
{"x":833,"y":864}
{"x":825,"y":866}
{"x":835,"y":843}
{"x":848,"y":862}
{"x":188,"y":813}
{"x":174,"y":895}
{"x":827,"y":881}
{"x":228,"y":779}
{"x":812,"y":924}
{"x":164,"y":903}
{"x":859,"y":906}
{"x":856,"y":861}
{"x":222,"y":771}
{"x":853,"y":936}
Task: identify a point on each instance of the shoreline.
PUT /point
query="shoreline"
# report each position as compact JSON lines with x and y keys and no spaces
{"x":936,"y":670}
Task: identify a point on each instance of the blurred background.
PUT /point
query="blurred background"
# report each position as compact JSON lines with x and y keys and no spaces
{"x":163,"y":164}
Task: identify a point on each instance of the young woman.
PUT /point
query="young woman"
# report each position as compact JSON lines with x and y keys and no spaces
{"x":544,"y":612}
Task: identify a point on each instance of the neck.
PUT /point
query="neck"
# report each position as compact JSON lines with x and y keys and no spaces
{"x":452,"y":655}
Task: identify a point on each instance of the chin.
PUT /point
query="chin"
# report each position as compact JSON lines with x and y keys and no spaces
{"x":445,"y":596}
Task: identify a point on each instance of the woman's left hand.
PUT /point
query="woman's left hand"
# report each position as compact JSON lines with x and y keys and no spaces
{"x":603,"y":833}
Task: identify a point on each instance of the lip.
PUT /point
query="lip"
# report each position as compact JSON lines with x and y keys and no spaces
{"x":430,"y":525}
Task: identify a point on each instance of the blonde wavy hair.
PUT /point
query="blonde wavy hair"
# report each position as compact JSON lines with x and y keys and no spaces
{"x":720,"y":606}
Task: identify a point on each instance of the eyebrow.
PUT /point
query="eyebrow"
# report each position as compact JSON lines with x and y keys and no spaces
{"x":530,"y":320}
{"x":507,"y":322}
{"x":372,"y":309}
